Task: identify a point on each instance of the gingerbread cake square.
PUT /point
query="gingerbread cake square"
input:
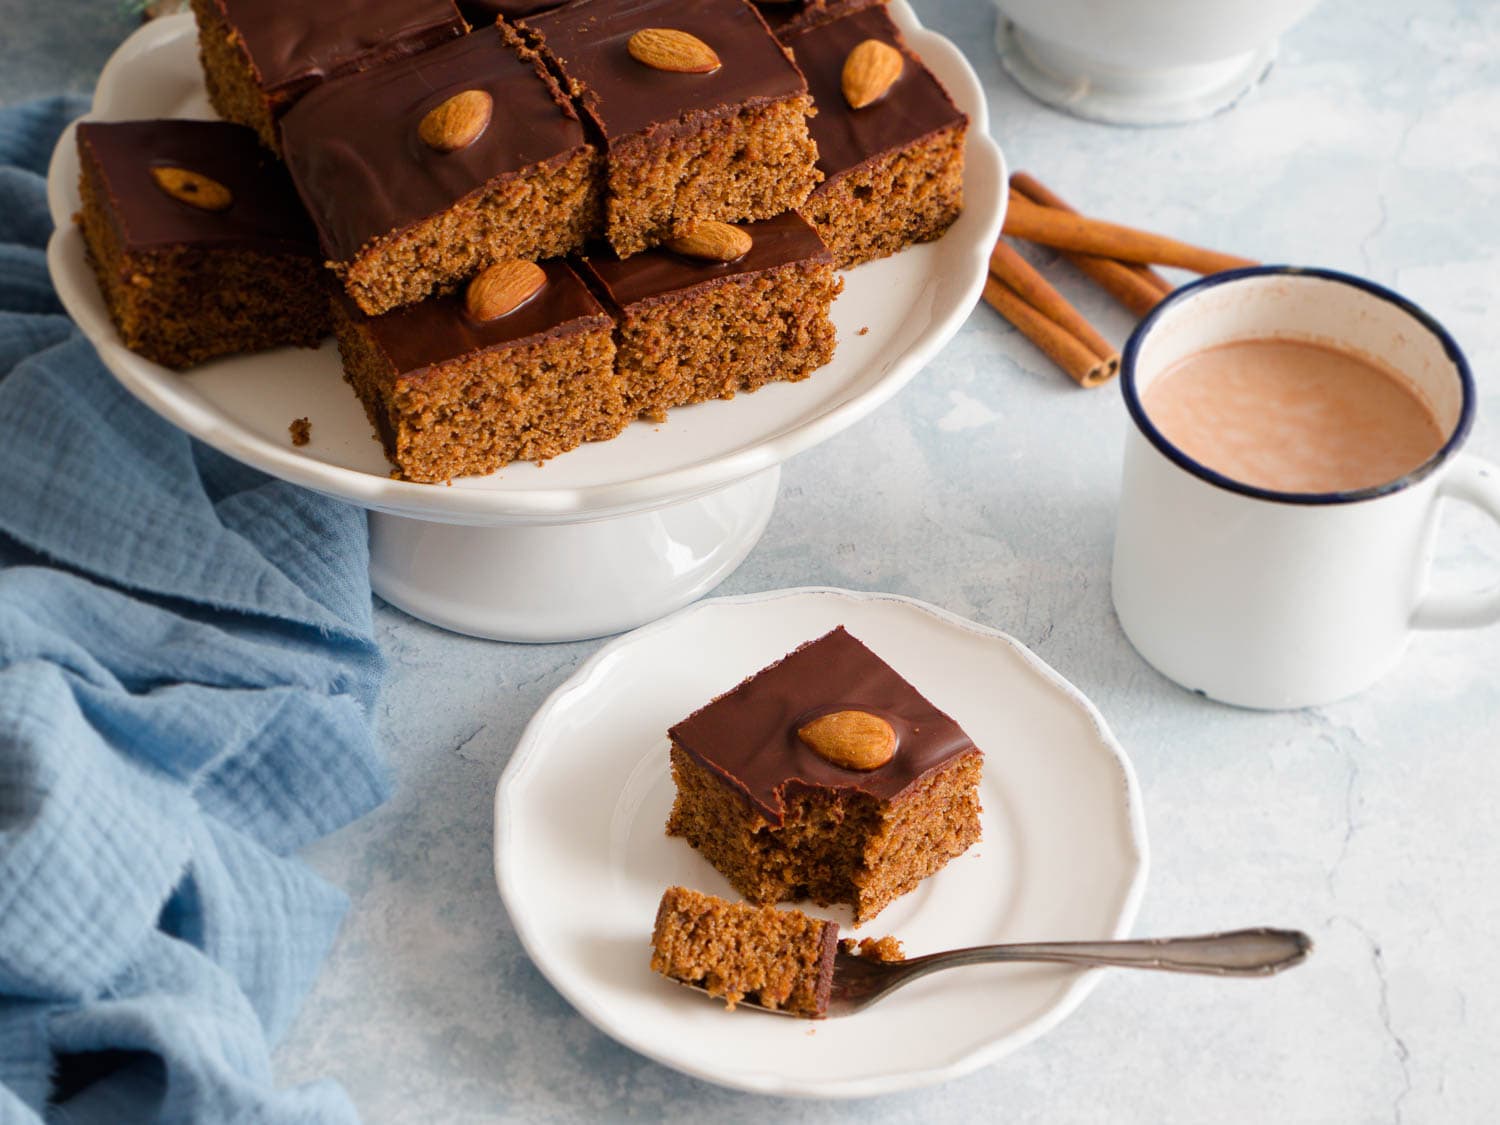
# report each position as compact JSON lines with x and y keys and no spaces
{"x":260,"y":56}
{"x":724,"y":139}
{"x":826,"y":776}
{"x":779,"y":959}
{"x":690,"y":329}
{"x":453,"y":395}
{"x":892,"y":170}
{"x":423,"y":172}
{"x":198,"y":241}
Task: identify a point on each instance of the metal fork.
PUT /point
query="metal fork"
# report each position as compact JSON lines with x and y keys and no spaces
{"x":860,"y":981}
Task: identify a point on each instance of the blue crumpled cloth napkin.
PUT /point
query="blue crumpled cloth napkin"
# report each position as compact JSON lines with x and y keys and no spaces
{"x":187,"y":672}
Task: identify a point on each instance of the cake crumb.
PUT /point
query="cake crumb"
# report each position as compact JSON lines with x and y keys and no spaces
{"x":865,"y":331}
{"x":301,"y":431}
{"x":877,"y":949}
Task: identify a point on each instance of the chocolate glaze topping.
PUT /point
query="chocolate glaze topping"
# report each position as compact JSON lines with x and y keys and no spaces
{"x":264,"y":212}
{"x":586,"y":41}
{"x":482,"y":13}
{"x":355,"y":156}
{"x":296,"y":44}
{"x":748,"y":737}
{"x":914,"y":108}
{"x":784,"y":17}
{"x":418,"y":337}
{"x":657,"y":274}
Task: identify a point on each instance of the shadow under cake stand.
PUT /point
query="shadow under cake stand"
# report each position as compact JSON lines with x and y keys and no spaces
{"x":595,"y":541}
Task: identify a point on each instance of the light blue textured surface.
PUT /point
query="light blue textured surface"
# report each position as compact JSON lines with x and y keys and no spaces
{"x":988,"y":486}
{"x":186,"y":678}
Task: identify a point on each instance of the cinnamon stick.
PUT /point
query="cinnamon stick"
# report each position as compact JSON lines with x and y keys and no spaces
{"x":1061,"y":346}
{"x":1081,"y":234}
{"x":1022,"y":277}
{"x":1038,"y":192}
{"x":1139,"y":288}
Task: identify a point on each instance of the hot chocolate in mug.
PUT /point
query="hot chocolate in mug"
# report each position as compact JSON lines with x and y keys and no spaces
{"x":1277,"y":599}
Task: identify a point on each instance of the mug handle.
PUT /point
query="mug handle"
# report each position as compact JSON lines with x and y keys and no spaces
{"x":1476,"y":482}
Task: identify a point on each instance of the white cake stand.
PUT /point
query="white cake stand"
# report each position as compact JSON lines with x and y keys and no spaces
{"x":600,"y":539}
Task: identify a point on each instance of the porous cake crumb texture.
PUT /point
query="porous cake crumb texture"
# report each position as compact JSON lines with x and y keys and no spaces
{"x":232,"y":88}
{"x":911,"y":195}
{"x":541,"y":212}
{"x":180,"y":305}
{"x":873,"y":949}
{"x":834,"y":845}
{"x":751,"y":165}
{"x":779,"y":959}
{"x":728,"y":338}
{"x":474,"y":414}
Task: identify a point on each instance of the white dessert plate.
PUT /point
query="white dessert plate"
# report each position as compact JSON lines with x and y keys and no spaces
{"x":581,"y":857}
{"x":911,"y":304}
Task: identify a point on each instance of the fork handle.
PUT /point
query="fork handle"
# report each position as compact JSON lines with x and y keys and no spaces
{"x":1239,"y":953}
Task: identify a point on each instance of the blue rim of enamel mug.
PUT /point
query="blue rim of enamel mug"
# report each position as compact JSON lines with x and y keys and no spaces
{"x":1143,"y":422}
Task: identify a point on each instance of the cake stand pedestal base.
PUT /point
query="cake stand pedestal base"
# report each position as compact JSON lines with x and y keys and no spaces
{"x":1118,"y":94}
{"x":568,"y":581}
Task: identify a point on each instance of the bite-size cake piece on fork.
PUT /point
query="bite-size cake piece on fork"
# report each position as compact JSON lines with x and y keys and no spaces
{"x":778,"y":959}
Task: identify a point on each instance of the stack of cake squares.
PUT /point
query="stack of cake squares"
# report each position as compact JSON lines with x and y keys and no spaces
{"x":528,"y":232}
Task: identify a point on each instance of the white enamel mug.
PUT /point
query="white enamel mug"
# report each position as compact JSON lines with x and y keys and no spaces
{"x":1280,"y":600}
